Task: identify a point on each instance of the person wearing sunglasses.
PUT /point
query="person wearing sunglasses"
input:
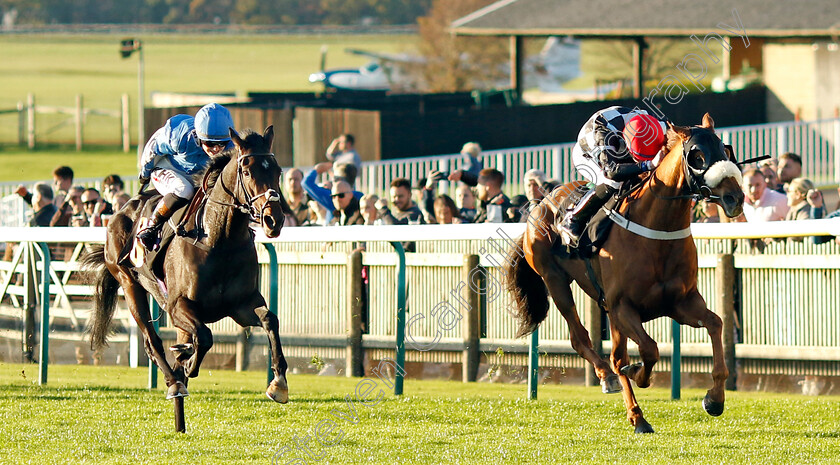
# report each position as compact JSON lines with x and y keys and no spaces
{"x":346,"y":205}
{"x":94,"y":206}
{"x":175,"y":152}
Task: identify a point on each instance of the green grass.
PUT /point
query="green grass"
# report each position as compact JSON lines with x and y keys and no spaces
{"x":18,"y":164}
{"x":103,"y":415}
{"x":56,"y":67}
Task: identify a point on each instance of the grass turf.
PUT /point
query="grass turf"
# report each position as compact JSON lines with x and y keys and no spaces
{"x":103,"y":415}
{"x":19,"y":164}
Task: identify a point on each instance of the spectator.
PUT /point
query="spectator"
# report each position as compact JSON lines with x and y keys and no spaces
{"x":519,"y":208}
{"x":405,"y":210}
{"x":346,"y":205}
{"x":120,"y":201}
{"x":95,"y":206}
{"x":708,"y":212}
{"x":797,"y":199}
{"x":112,"y":187}
{"x":470,"y":152}
{"x":465,"y":200}
{"x":761,"y":203}
{"x":535,"y":189}
{"x":446,"y":212}
{"x":817,"y":203}
{"x":368,"y":207}
{"x":62,"y":181}
{"x":493,"y":203}
{"x":42,"y":204}
{"x":342,"y":151}
{"x":72,"y":207}
{"x":323,"y":194}
{"x":771,"y":178}
{"x":790,"y":167}
{"x":295,"y":196}
{"x":321,"y":215}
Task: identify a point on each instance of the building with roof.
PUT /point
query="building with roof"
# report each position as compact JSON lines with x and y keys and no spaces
{"x":793,"y":46}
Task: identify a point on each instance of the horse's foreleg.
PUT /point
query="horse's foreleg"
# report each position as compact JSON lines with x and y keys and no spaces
{"x":259,"y":315}
{"x":626,"y":320}
{"x":619,"y":359}
{"x":184,"y":315}
{"x":694,"y":312}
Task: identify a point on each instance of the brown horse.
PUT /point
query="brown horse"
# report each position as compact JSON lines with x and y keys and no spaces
{"x":640,"y":275}
{"x":203,"y":279}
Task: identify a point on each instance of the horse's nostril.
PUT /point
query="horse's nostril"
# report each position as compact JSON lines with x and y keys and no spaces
{"x":269,"y":222}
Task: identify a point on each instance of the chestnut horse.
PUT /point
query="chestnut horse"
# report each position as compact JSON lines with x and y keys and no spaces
{"x":203,"y":279}
{"x":640,"y":275}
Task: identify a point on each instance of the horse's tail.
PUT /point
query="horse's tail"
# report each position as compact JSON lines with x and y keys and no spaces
{"x":529,"y":291}
{"x":104,"y":297}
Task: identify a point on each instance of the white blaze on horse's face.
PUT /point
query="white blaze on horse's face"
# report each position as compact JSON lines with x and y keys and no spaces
{"x":721,"y":170}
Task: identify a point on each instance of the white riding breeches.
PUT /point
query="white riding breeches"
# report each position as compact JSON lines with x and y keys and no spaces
{"x":168,"y":181}
{"x":590,"y":170}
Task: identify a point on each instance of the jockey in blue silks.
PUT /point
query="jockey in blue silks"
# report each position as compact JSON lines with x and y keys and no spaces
{"x":181,"y":148}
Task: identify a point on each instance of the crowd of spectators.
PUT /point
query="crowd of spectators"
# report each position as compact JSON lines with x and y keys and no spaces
{"x":327,"y":195}
{"x":775,"y":190}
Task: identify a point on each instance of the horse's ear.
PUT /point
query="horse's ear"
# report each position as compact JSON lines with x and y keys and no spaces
{"x":708,"y":122}
{"x":234,"y":136}
{"x":268,"y":135}
{"x":683,"y":132}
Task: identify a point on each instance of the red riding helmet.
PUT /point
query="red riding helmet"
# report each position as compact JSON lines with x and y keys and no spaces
{"x":645,"y":136}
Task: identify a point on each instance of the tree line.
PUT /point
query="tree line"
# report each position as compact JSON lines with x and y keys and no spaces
{"x":246,"y":12}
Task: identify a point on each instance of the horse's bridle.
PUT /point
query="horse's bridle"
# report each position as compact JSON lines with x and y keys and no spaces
{"x":247,"y":206}
{"x":698,"y":190}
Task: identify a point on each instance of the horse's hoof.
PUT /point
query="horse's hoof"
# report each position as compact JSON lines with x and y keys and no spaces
{"x":610,"y":384}
{"x":630,"y":370}
{"x":278,"y":392}
{"x":183,"y":350}
{"x":713,"y":408}
{"x":176,"y":390}
{"x":643,"y":427}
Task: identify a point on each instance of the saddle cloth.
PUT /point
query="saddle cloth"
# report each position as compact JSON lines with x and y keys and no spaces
{"x":596,"y":232}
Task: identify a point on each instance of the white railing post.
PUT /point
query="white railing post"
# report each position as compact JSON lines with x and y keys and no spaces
{"x":133,"y":344}
{"x":30,"y":120}
{"x":556,"y":162}
{"x":782,"y":140}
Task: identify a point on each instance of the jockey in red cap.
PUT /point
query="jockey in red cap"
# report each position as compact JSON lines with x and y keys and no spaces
{"x":615,"y":145}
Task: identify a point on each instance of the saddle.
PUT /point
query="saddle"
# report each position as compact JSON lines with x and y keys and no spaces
{"x":184,"y":222}
{"x":596,"y":232}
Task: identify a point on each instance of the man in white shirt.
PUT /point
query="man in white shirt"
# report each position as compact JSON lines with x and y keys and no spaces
{"x":761,"y":203}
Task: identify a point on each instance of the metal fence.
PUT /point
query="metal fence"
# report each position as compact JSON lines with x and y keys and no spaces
{"x":786,"y":302}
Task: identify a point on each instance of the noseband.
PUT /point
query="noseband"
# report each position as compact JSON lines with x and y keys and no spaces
{"x":248,"y":206}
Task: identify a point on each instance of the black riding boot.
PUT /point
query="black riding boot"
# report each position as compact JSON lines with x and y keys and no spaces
{"x":576,"y":219}
{"x":150,"y":236}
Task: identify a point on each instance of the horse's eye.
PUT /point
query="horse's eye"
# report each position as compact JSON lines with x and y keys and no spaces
{"x":696,"y":159}
{"x":246,"y":173}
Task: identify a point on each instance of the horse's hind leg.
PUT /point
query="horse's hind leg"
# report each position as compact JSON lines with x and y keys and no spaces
{"x":619,"y":359}
{"x":138,"y":304}
{"x":259,"y":315}
{"x":694,"y":312}
{"x":558,"y":283}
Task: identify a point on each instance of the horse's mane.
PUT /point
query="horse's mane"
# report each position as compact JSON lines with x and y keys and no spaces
{"x":218,"y":163}
{"x":214,"y":168}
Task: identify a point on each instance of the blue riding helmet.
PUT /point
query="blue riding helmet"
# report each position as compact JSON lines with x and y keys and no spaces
{"x":212,"y":123}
